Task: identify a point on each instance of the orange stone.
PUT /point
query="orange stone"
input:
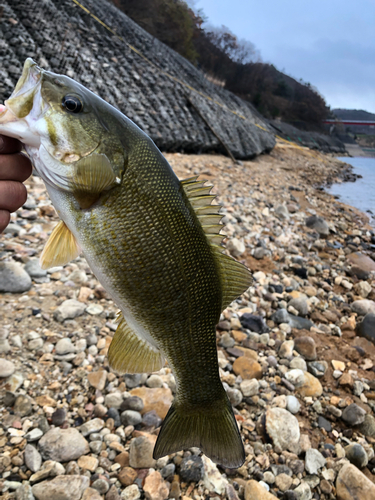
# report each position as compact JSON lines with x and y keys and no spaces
{"x":158,"y":399}
{"x":311,"y":386}
{"x":247,"y":368}
{"x":238,"y":335}
{"x":127,"y":476}
{"x":123,"y":459}
{"x":45,"y":401}
{"x":248,"y":353}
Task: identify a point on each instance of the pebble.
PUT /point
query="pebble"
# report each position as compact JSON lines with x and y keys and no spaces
{"x":357,"y":455}
{"x":33,"y":458}
{"x":314,"y":460}
{"x":283,"y":428}
{"x":159,"y":399}
{"x":192,"y":469}
{"x":349,"y":480}
{"x":131,"y":493}
{"x":141,"y":452}
{"x":311,"y":386}
{"x":318,"y":224}
{"x":97,"y":379}
{"x":7,"y":368}
{"x":61,"y":488}
{"x":249,"y":387}
{"x":247,"y":368}
{"x":292,"y":404}
{"x":155,"y":488}
{"x":33,"y":269}
{"x":353,"y":415}
{"x":69,"y":309}
{"x":255,"y":491}
{"x":131,"y":417}
{"x":13,"y":278}
{"x":366,"y":328}
{"x":63,"y":445}
{"x":305,"y":346}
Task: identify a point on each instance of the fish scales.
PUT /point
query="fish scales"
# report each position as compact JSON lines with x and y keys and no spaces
{"x":150,"y":239}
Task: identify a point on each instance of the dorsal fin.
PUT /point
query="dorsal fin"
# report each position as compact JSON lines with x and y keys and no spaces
{"x":235,"y":277}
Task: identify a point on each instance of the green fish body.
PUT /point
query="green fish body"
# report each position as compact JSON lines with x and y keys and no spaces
{"x":152,"y":241}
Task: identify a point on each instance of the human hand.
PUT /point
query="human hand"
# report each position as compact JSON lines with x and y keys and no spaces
{"x":15,"y":168}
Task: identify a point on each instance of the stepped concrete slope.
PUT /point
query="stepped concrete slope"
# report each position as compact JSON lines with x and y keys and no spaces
{"x":65,"y":39}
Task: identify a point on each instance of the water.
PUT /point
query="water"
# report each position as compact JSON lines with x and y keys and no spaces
{"x":361,"y":193}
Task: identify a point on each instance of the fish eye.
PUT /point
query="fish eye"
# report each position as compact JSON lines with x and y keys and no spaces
{"x":72,"y":103}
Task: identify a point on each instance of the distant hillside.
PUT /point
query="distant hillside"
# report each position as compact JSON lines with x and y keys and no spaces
{"x":232,"y":63}
{"x":353,"y":114}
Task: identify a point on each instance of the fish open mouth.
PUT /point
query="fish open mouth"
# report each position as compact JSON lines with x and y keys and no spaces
{"x":18,"y":107}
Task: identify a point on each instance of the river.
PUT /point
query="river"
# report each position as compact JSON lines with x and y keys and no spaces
{"x":361,"y":193}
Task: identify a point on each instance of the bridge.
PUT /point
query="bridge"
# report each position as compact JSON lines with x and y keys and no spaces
{"x":364,"y":123}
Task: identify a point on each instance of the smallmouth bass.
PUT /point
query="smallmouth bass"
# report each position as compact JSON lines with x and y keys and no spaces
{"x":152,"y":241}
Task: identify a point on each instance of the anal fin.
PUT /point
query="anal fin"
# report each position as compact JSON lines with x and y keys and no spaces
{"x":60,"y":248}
{"x":130,"y":354}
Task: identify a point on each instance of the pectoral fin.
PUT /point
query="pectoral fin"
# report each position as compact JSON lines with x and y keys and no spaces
{"x":93,"y":174}
{"x":60,"y":248}
{"x":128,"y":353}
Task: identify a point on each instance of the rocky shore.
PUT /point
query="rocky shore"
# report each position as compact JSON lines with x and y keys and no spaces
{"x":296,"y":353}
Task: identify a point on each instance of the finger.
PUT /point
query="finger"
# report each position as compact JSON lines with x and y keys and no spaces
{"x":9,"y":145}
{"x":4,"y":219}
{"x":15,"y":167}
{"x":12,"y":195}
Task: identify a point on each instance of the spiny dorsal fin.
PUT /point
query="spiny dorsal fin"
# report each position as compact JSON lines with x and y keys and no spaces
{"x":128,"y":353}
{"x":235,"y":277}
{"x":60,"y":248}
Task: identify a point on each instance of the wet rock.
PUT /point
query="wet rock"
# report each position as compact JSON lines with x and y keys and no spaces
{"x":283,"y":428}
{"x":61,"y":488}
{"x":69,"y":309}
{"x":159,"y":399}
{"x":7,"y":368}
{"x":63,"y":445}
{"x":357,"y":455}
{"x":13,"y":278}
{"x":32,"y":457}
{"x":318,"y":224}
{"x":192,"y":469}
{"x":140,"y":452}
{"x":352,"y":484}
{"x":155,"y":488}
{"x":247,"y":368}
{"x":314,"y":461}
{"x":363,"y":307}
{"x":366,"y":328}
{"x":353,"y":415}
{"x":305,"y":346}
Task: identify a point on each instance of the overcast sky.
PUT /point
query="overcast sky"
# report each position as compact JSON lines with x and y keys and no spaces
{"x":329,"y":43}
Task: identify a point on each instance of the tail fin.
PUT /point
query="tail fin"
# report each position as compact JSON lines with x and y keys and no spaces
{"x":215,"y":433}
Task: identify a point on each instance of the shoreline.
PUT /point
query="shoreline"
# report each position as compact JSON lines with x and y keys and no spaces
{"x":300,"y":379}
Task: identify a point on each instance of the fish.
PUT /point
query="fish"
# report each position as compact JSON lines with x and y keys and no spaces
{"x":153,"y":241}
